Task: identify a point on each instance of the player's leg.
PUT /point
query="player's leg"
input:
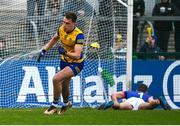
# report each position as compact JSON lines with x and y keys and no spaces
{"x":65,"y":94}
{"x":72,"y":70}
{"x":135,"y":102}
{"x":146,"y":106}
{"x":151,"y":104}
{"x":123,"y":106}
{"x":65,"y":90}
{"x":164,"y":103}
{"x":106,"y":105}
{"x":53,"y":108}
{"x":57,"y":83}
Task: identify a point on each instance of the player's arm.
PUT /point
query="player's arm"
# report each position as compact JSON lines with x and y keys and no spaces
{"x":52,"y":42}
{"x":117,"y":95}
{"x":78,"y":48}
{"x":153,"y":101}
{"x":77,"y":52}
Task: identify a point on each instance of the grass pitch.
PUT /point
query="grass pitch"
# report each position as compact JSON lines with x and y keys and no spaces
{"x":89,"y":116}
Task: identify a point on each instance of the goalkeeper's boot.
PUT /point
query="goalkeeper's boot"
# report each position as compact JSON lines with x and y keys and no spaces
{"x":106,"y":105}
{"x":109,"y":104}
{"x":164,"y":104}
{"x":102,"y":106}
{"x":65,"y":108}
{"x":51,"y":110}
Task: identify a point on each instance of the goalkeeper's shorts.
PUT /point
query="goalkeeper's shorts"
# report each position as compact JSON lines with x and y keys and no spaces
{"x":75,"y":67}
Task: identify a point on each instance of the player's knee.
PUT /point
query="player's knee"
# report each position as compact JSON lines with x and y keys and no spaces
{"x":56,"y":80}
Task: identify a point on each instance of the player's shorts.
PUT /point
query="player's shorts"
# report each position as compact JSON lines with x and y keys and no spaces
{"x":135,"y":102}
{"x":75,"y":67}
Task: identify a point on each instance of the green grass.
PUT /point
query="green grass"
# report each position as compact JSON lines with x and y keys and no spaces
{"x":89,"y":116}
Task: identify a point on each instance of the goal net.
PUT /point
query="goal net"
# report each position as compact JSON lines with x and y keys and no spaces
{"x":26,"y":25}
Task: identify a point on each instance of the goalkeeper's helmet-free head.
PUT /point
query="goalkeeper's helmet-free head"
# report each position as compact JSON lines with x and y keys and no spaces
{"x":142,"y":88}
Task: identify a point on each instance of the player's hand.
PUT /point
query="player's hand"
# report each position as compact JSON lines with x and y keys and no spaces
{"x":41,"y":54}
{"x":62,"y":50}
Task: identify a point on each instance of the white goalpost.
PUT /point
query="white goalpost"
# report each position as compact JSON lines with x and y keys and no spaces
{"x":129,"y":44}
{"x":26,"y":27}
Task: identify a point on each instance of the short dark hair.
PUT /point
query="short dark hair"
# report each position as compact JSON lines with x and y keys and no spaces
{"x":142,"y":88}
{"x":71,"y":15}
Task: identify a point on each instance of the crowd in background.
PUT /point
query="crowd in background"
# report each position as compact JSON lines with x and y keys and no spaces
{"x":162,"y":29}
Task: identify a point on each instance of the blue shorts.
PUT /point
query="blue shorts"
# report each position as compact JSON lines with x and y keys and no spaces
{"x":75,"y":67}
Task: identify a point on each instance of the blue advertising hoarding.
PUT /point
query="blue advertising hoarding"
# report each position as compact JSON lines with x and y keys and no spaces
{"x":29,"y":84}
{"x":163,"y":78}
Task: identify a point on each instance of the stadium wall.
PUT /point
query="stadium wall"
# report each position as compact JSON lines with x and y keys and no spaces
{"x":32,"y":86}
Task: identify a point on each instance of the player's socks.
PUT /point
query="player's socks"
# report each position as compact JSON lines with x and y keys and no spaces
{"x":109,"y":104}
{"x":55,"y":104}
{"x":106,"y":105}
{"x":65,"y":103}
{"x":164,"y":104}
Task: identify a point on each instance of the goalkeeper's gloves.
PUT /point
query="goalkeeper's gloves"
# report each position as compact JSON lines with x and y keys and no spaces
{"x":41,"y":54}
{"x":62,"y":50}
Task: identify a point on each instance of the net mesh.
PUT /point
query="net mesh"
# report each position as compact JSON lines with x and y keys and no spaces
{"x":25,"y":26}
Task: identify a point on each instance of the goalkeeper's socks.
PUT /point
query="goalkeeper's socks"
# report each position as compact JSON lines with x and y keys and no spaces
{"x":106,"y":105}
{"x":109,"y":104}
{"x":164,"y":103}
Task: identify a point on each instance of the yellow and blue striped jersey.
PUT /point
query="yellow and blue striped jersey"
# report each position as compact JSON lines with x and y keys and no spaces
{"x":68,"y":42}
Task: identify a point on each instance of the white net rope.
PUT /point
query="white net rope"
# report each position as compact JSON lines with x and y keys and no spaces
{"x":25,"y":26}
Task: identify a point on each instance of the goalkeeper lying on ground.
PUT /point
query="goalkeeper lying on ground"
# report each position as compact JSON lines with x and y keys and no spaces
{"x":134,"y":100}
